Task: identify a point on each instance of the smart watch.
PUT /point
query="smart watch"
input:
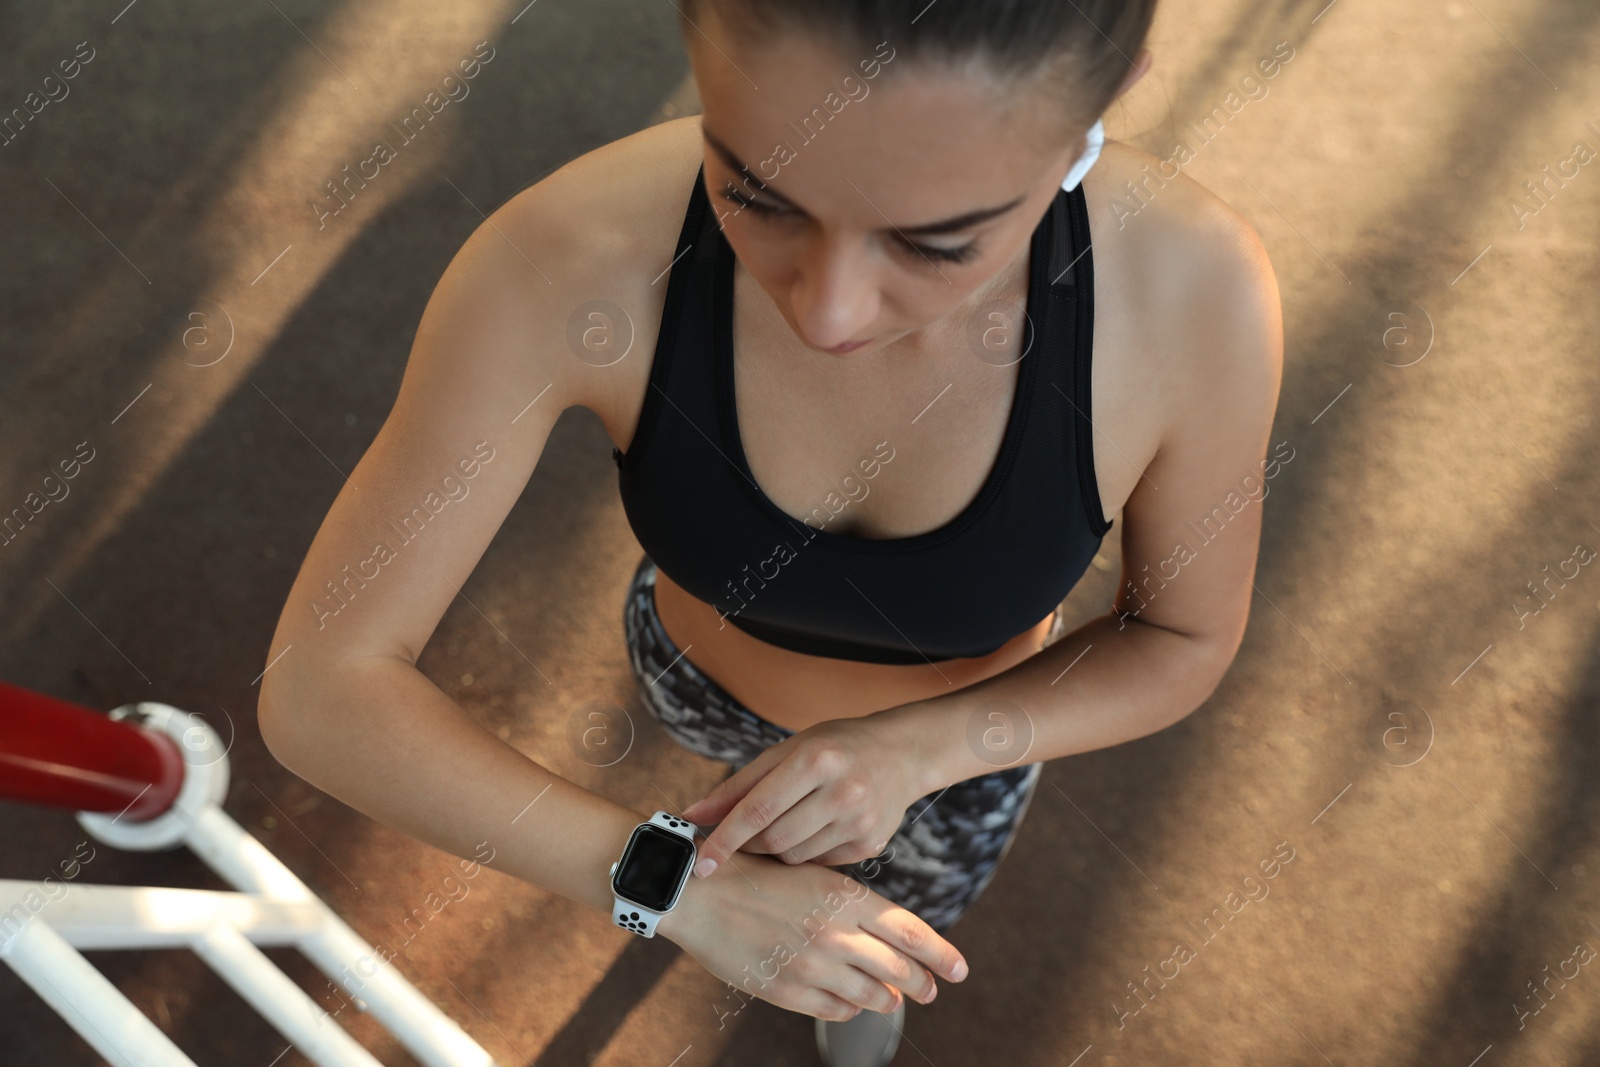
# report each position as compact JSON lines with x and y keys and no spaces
{"x":649,"y":878}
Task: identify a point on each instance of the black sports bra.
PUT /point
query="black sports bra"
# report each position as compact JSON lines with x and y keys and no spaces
{"x":962,"y":590}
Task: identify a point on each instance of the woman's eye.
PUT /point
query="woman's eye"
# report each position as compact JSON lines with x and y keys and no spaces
{"x":754,"y":205}
{"x":949,"y":255}
{"x":770,"y":211}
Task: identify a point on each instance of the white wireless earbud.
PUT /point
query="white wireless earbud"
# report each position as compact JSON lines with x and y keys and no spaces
{"x":1097,"y":140}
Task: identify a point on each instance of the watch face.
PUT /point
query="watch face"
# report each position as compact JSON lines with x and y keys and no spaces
{"x":652,"y":867}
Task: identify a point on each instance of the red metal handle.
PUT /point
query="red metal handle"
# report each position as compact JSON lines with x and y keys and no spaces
{"x":67,"y":756}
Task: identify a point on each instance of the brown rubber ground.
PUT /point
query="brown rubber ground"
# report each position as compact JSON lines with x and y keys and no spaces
{"x":1432,"y":881}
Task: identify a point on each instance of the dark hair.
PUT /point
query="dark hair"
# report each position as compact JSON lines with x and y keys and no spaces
{"x":1085,"y":46}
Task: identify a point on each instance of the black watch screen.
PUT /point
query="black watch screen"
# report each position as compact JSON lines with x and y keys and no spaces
{"x":652,"y":867}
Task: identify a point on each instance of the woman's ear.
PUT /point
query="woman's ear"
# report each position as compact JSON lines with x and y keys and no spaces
{"x":1142,"y":61}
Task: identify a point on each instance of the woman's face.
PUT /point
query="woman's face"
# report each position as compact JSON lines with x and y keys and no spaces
{"x":870,"y":208}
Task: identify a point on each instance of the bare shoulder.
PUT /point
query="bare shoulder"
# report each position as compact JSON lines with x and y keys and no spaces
{"x":1182,"y":240}
{"x":1175,"y":247}
{"x":588,"y":245}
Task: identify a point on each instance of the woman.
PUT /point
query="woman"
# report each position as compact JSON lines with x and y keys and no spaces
{"x":861,"y":444}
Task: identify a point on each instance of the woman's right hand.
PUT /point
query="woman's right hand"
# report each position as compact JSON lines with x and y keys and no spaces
{"x":807,"y":938}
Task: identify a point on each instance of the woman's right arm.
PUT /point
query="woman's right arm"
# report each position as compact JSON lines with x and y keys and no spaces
{"x":344,"y":706}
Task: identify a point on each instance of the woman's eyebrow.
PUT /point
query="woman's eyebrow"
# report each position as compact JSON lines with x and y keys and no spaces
{"x":960,"y":222}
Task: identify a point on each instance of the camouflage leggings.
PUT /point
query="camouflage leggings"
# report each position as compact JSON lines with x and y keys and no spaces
{"x":949,"y":843}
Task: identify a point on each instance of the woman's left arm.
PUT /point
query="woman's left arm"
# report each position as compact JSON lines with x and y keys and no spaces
{"x":1191,"y":530}
{"x":1190,"y":534}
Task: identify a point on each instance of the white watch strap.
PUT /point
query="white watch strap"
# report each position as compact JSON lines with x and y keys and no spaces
{"x":632,"y":916}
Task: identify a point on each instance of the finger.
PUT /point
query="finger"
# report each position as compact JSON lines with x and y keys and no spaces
{"x":711,"y":808}
{"x":805,"y":830}
{"x":894,"y":968}
{"x":863,"y":990}
{"x":775,"y":794}
{"x":820,"y":1004}
{"x":904,"y":930}
{"x":852,"y":852}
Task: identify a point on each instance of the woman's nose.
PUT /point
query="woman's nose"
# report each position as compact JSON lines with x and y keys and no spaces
{"x":835,"y":296}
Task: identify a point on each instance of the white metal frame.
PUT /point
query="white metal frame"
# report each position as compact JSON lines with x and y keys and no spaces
{"x":43,"y":928}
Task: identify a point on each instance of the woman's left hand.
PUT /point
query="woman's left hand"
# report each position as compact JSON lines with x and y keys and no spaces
{"x":834,"y":793}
